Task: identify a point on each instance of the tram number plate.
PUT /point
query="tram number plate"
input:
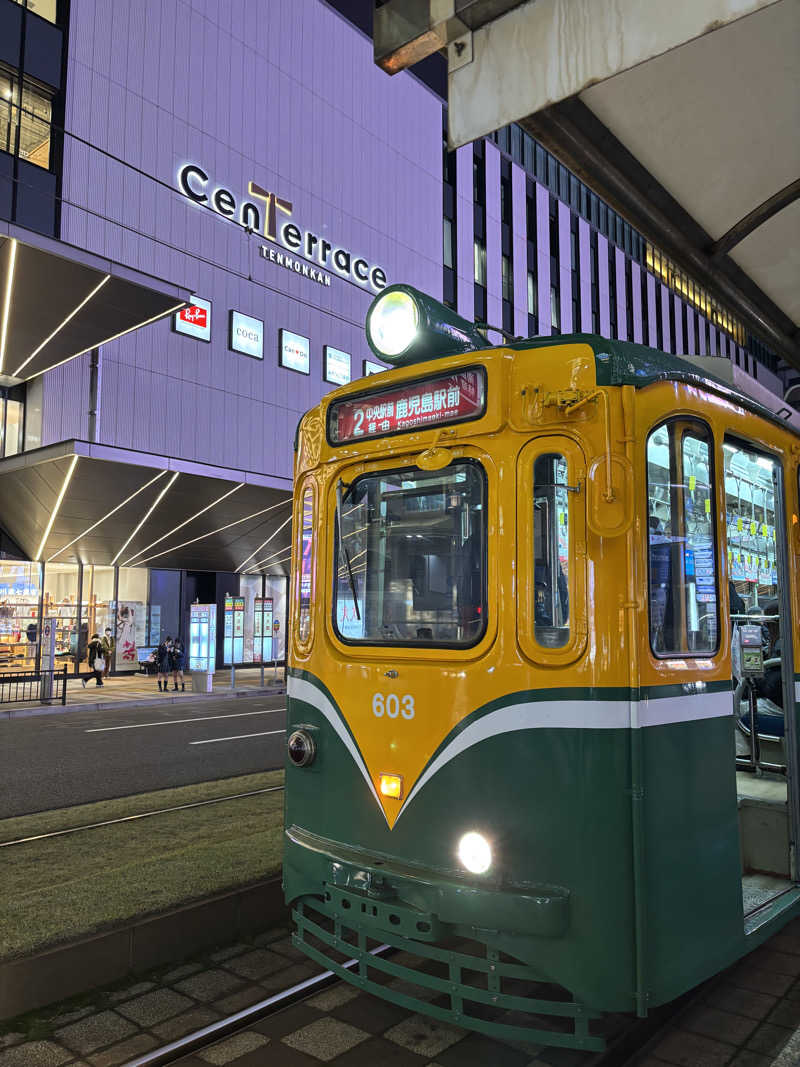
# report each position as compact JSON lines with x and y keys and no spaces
{"x":393,"y":705}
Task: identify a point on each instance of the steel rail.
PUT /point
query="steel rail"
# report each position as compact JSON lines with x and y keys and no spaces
{"x":215,"y":1031}
{"x":133,"y":818}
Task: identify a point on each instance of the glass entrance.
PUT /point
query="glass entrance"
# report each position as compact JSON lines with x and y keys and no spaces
{"x":761,"y":662}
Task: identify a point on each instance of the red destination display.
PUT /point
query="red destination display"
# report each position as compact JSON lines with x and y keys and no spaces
{"x":450,"y":398}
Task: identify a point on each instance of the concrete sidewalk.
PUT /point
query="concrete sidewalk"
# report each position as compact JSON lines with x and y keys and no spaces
{"x":138,"y":689}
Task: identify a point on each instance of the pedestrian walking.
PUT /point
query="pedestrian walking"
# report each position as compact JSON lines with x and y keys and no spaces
{"x":178,"y":659}
{"x":109,"y":644}
{"x":96,"y":660}
{"x":162,"y":661}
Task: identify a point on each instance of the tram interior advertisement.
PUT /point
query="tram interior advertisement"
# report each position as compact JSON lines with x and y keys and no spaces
{"x":542,"y":690}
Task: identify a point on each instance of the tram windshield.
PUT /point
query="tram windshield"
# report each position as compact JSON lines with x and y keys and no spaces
{"x":410,"y":557}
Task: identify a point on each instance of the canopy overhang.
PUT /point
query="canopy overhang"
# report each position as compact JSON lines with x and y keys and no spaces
{"x":57,"y":302}
{"x":683,"y":116}
{"x":96,"y":504}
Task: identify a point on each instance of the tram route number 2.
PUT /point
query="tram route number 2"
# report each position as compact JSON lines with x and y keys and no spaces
{"x":393,"y":705}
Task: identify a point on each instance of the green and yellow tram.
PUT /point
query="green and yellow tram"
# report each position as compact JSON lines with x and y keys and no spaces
{"x":526,"y":580}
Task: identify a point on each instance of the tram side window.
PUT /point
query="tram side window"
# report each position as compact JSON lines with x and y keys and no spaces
{"x":306,"y":565}
{"x":682,"y":559}
{"x":551,"y":551}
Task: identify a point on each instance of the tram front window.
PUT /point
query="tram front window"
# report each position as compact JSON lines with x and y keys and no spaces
{"x":410,"y":557}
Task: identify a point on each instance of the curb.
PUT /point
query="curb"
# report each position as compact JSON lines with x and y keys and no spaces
{"x":103,"y":959}
{"x":111,"y":705}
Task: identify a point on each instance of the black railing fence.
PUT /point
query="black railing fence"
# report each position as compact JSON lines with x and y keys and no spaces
{"x":46,"y":687}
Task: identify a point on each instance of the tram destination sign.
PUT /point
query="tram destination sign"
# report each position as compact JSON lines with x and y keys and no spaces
{"x":429,"y":402}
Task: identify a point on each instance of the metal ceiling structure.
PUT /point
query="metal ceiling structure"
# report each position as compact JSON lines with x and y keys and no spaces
{"x":81,"y":502}
{"x":683,"y":116}
{"x":57,"y":303}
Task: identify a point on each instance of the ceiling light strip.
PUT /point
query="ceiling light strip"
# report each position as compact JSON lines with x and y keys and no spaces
{"x":185,"y":522}
{"x":147,"y":515}
{"x":266,"y":559}
{"x":108,"y":340}
{"x":108,"y":515}
{"x":220,"y":529}
{"x":12,"y":263}
{"x":263,"y":544}
{"x":61,"y":326}
{"x":58,"y":503}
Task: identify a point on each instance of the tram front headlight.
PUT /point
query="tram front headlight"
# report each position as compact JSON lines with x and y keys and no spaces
{"x":301,"y":748}
{"x":393,"y":323}
{"x":475,"y":853}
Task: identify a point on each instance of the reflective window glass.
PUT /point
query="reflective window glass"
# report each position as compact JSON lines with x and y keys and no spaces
{"x":410,"y":557}
{"x":551,"y":550}
{"x":19,"y":615}
{"x":480,"y":262}
{"x":306,"y":564}
{"x":683,"y":589}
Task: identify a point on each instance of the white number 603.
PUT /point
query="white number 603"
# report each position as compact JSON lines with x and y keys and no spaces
{"x":393,"y":705}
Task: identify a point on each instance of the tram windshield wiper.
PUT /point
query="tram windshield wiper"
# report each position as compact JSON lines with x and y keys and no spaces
{"x":340,"y":498}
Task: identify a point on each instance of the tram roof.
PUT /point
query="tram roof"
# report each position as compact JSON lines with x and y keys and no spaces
{"x":628,"y":363}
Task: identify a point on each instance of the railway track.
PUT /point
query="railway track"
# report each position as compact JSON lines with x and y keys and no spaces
{"x":141,"y":815}
{"x":629,"y":1044}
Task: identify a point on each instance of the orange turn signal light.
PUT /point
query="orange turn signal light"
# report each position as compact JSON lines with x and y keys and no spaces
{"x":392,"y":786}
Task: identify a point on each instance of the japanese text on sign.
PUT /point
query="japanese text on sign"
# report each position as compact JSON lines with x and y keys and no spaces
{"x":450,"y":398}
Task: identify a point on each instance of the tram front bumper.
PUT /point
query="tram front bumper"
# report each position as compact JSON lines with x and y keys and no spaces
{"x":382,"y":895}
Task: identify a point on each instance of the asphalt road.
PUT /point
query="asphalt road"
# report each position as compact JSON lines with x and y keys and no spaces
{"x":55,"y":761}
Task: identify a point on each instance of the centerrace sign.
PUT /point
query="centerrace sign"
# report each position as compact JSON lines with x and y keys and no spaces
{"x":193,"y":182}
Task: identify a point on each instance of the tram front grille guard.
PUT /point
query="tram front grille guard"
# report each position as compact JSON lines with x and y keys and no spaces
{"x":350,"y":938}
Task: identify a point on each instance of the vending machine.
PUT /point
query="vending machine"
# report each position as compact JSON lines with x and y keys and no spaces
{"x":202,"y":646}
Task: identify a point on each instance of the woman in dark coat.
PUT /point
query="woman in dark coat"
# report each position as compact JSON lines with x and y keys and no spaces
{"x":163,"y":662}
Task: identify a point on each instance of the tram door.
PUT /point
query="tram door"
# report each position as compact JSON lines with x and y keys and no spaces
{"x":761,"y":659}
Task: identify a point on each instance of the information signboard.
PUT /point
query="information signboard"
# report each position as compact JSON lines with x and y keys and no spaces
{"x":203,"y":638}
{"x":233,"y":634}
{"x":262,"y":630}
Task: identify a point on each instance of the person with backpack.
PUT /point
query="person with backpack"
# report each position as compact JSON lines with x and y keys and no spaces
{"x":96,"y":660}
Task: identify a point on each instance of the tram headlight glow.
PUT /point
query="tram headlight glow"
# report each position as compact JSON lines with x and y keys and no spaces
{"x":475,"y":853}
{"x":393,"y":323}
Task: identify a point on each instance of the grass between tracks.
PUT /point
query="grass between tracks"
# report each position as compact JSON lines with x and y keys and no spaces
{"x":67,"y":887}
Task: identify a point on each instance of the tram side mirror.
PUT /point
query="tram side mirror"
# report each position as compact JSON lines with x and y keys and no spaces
{"x":610,"y":496}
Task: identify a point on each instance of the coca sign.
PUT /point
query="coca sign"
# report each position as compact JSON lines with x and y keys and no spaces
{"x":448,"y":398}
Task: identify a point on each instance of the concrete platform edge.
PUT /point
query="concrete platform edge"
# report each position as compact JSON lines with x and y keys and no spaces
{"x":111,"y":705}
{"x":103,"y":959}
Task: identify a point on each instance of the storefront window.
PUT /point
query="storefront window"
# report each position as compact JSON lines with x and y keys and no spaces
{"x":249,"y":589}
{"x":61,"y":583}
{"x":132,"y":626}
{"x":20,"y":585}
{"x":276,"y":587}
{"x":13,"y":434}
{"x":98,"y":611}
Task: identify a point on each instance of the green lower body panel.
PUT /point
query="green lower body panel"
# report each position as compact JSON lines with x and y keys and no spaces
{"x":476,"y":990}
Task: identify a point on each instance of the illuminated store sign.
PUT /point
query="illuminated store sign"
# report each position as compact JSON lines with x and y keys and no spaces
{"x":194,"y":320}
{"x":293,"y":351}
{"x":430,"y":402}
{"x":269,"y":208}
{"x":246,"y":335}
{"x":337,"y":365}
{"x":372,"y":368}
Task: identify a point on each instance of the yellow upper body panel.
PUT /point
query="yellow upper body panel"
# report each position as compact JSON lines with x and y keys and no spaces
{"x":540,"y":400}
